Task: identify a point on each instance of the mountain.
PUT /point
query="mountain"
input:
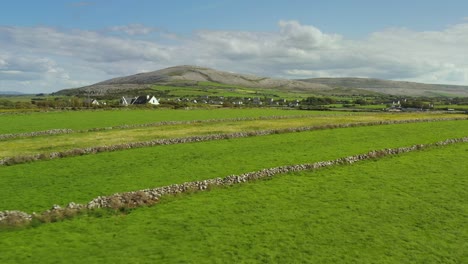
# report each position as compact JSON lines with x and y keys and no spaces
{"x":200,"y":77}
{"x":191,"y":76}
{"x":392,"y":87}
{"x":10,"y":93}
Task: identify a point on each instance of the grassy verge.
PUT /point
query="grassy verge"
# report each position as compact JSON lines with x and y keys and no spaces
{"x":36,"y":186}
{"x":409,"y":208}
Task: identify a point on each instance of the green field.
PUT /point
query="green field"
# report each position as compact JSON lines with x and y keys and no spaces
{"x":218,"y":89}
{"x":51,"y":143}
{"x":409,"y":208}
{"x":405,"y":209}
{"x":461,"y":107}
{"x":82,"y":120}
{"x":79,"y":179}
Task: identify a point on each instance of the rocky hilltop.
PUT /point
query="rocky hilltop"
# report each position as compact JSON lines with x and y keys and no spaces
{"x":393,"y":87}
{"x":188,"y":74}
{"x":191,"y":75}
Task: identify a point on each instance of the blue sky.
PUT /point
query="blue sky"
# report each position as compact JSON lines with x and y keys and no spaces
{"x":52,"y":45}
{"x":349,"y":18}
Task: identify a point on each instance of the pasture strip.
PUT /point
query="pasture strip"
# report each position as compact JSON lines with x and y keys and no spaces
{"x":60,"y":131}
{"x":146,"y":197}
{"x":84,"y":120}
{"x":54,"y":143}
{"x":131,"y":145}
{"x":156,"y":124}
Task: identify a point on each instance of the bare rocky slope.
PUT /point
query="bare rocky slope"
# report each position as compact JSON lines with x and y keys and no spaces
{"x":191,"y":75}
{"x":393,"y":87}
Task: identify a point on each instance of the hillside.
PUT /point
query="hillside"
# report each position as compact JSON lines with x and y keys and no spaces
{"x":10,"y":93}
{"x":191,"y":76}
{"x":392,"y":87}
{"x":196,"y":77}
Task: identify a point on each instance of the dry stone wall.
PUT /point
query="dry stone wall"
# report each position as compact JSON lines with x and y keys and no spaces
{"x":37,"y":133}
{"x":151,"y":196}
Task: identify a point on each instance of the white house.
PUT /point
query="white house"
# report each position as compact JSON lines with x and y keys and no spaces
{"x":145,"y":100}
{"x":91,"y":102}
{"x":126,"y":101}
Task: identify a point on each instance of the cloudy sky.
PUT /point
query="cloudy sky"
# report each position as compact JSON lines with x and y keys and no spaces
{"x":50,"y":45}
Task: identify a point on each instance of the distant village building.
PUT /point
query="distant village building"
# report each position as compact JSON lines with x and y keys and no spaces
{"x":140,"y":100}
{"x":125,"y":101}
{"x":91,"y":102}
{"x":257,"y":101}
{"x":146,"y":100}
{"x":294,"y":103}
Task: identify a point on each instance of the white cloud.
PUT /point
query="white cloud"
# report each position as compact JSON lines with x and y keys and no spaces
{"x":305,"y":37}
{"x":300,"y":74}
{"x":87,"y":45}
{"x":134,"y":29}
{"x":50,"y":59}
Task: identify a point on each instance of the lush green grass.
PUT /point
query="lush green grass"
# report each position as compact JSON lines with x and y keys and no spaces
{"x":45,"y":144}
{"x":372,"y":106}
{"x":452,"y":106}
{"x":206,"y":89}
{"x":218,"y":89}
{"x":406,"y":209}
{"x":79,"y":120}
{"x":36,"y":186}
{"x":215,"y":84}
{"x":183,"y":91}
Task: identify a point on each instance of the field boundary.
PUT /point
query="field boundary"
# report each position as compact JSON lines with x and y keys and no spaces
{"x":133,"y":199}
{"x":8,"y":161}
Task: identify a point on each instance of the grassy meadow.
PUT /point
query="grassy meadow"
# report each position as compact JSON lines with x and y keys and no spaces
{"x":409,"y":208}
{"x":218,"y":89}
{"x":79,"y":179}
{"x":405,"y":209}
{"x":83,"y":120}
{"x":61,"y":142}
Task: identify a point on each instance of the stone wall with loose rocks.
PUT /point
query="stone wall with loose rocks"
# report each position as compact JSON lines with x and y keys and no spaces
{"x":150,"y":196}
{"x":36,"y":133}
{"x":192,"y":139}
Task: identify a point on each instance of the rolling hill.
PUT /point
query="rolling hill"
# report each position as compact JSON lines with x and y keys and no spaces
{"x":187,"y":76}
{"x":193,"y":76}
{"x":10,"y":93}
{"x":393,"y":87}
